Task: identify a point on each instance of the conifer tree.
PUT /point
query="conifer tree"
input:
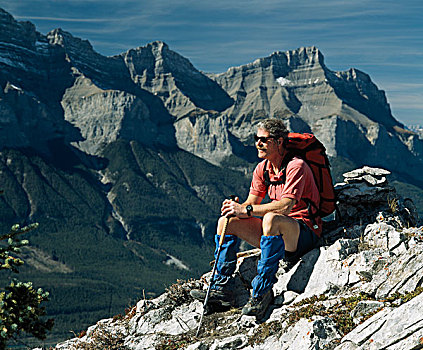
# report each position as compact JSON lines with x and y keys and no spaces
{"x":20,"y":310}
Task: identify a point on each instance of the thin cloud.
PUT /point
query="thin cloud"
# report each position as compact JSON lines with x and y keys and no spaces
{"x":405,"y":86}
{"x":63,"y":19}
{"x":406,"y":102}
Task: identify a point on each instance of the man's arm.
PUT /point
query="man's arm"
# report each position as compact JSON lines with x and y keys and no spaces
{"x":283,"y":206}
{"x":232,"y":208}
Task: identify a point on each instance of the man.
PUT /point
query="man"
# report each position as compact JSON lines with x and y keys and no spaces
{"x":281,"y":228}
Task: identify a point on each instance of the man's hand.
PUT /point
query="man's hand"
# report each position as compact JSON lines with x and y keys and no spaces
{"x":233,"y":208}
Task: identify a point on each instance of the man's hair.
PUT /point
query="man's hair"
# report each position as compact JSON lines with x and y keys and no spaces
{"x":275,"y":127}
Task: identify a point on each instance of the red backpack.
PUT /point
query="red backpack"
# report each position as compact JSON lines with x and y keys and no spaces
{"x":311,"y":150}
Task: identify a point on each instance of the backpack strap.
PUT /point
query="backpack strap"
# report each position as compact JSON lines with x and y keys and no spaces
{"x":267,"y":177}
{"x":288,"y":157}
{"x":312,"y":215}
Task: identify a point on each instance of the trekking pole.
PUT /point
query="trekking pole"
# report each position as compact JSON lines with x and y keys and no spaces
{"x":206,"y":299}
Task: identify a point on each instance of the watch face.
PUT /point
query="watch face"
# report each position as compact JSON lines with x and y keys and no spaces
{"x":249,"y":209}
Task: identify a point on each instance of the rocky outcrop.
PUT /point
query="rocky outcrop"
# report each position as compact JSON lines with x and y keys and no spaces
{"x":348,"y":294}
{"x":367,"y":188}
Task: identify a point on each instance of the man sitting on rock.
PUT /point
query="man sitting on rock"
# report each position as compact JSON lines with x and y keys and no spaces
{"x":281,"y":228}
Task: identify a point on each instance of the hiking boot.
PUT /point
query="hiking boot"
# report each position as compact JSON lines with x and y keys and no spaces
{"x":258,"y":306}
{"x":216,"y":297}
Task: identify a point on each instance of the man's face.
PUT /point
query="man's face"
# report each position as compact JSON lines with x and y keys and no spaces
{"x":266,"y":146}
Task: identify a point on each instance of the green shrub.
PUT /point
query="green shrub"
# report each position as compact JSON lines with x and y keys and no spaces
{"x":20,"y":309}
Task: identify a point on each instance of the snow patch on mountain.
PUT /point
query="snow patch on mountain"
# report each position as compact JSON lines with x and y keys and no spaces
{"x":283,"y":81}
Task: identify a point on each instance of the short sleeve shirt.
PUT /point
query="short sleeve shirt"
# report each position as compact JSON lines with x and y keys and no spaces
{"x":299,"y":185}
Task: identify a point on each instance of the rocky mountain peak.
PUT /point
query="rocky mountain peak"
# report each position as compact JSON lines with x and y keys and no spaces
{"x":174,"y":79}
{"x":69,"y":42}
{"x":105,"y":72}
{"x":357,"y":89}
{"x":303,"y":56}
{"x":17,"y":33}
{"x":158,"y":48}
{"x":157,"y":59}
{"x":282,"y":61}
{"x":338,"y":107}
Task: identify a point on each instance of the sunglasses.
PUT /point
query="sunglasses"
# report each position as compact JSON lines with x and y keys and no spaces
{"x":263,"y":139}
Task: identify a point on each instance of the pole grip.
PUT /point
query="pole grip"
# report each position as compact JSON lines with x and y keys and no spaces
{"x":222,"y":235}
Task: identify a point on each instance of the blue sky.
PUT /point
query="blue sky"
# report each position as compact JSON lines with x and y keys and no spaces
{"x":382,"y":38}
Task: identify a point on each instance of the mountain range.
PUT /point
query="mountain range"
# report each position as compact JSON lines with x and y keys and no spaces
{"x":124,"y":160}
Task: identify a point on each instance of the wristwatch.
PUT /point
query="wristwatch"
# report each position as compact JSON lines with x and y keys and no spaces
{"x":249,"y":208}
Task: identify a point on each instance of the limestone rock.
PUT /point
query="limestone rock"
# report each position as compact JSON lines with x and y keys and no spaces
{"x":366,"y":170}
{"x":104,"y":116}
{"x":401,"y":273}
{"x":372,"y":176}
{"x":364,"y":308}
{"x":309,"y":335}
{"x":399,"y":329}
{"x":234,"y":342}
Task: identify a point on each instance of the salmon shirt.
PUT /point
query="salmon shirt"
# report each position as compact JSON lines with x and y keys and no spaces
{"x":299,"y":185}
